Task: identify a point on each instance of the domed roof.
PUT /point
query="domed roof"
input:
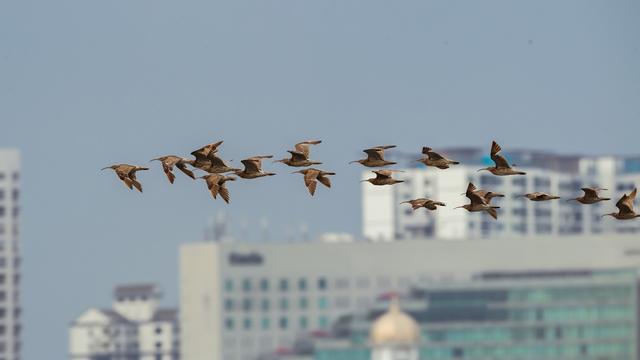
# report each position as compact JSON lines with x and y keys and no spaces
{"x":394,"y":327}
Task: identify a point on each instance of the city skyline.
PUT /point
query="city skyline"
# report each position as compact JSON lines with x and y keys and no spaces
{"x":78,"y":92}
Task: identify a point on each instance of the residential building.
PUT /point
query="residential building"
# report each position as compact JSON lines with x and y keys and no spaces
{"x":10,"y":310}
{"x":135,"y":328}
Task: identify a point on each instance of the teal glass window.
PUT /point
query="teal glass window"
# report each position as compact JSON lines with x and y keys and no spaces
{"x":264,"y":285}
{"x":265,"y":324}
{"x":302,"y":284}
{"x":247,"y":324}
{"x":228,"y":324}
{"x":264,"y":304}
{"x":246,"y":284}
{"x":284,"y":285}
{"x":322,"y":283}
{"x":283,"y":323}
{"x":323,"y":322}
{"x":228,"y":304}
{"x":323,"y":303}
{"x":284,"y":304}
{"x":228,"y":285}
{"x":303,"y":303}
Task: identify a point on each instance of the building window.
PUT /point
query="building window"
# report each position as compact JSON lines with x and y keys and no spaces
{"x":1,"y":194}
{"x":2,"y":211}
{"x":158,"y":330}
{"x":264,"y":285}
{"x":302,"y":284}
{"x":323,"y":303}
{"x":228,"y":324}
{"x":246,"y":285}
{"x":228,"y":304}
{"x":362,"y":283}
{"x":284,"y":285}
{"x":246,"y":304}
{"x":247,"y":324}
{"x":303,"y":323}
{"x":15,"y":194}
{"x":322,"y":283}
{"x":265,"y":304}
{"x":342,"y":283}
{"x":323,"y":322}
{"x":284,"y":304}
{"x":265,"y":324}
{"x":283,"y":323}
{"x":228,"y":285}
{"x":303,"y":303}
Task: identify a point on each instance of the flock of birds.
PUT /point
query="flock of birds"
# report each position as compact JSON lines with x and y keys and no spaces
{"x":207,"y":159}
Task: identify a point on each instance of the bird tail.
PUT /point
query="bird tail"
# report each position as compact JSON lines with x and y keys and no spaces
{"x":454,"y":162}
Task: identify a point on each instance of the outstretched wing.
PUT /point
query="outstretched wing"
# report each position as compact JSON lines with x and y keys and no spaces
{"x":590,"y":192}
{"x":324,"y":180}
{"x":434,"y":155}
{"x":625,"y":204}
{"x":184,"y":169}
{"x":297,"y":156}
{"x":224,"y":193}
{"x":252,"y":165}
{"x":384,"y":174}
{"x":498,"y":159}
{"x":375,"y":153}
{"x":493,"y":212}
{"x":303,"y":147}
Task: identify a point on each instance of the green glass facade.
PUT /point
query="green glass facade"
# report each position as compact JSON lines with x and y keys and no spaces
{"x":581,"y":315}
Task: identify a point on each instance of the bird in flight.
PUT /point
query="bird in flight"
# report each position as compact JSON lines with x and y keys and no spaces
{"x":423,"y":203}
{"x":300,"y":156}
{"x":253,"y":167}
{"x":375,"y":157}
{"x":202,"y":160}
{"x":384,"y":177}
{"x":169,"y":161}
{"x":540,"y":196}
{"x":216,"y":185}
{"x":434,"y":159}
{"x":312,"y":176}
{"x":502,"y":166}
{"x":590,"y":196}
{"x":478,"y":203}
{"x":625,"y":207}
{"x":487,"y":196}
{"x":127,"y":173}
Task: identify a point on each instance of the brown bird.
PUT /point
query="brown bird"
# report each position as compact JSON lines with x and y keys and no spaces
{"x":434,"y":159}
{"x":217,"y":165}
{"x":300,"y":156}
{"x":127,"y":173}
{"x":540,"y":196}
{"x":625,"y":207}
{"x":590,"y":196}
{"x":215,"y":183}
{"x":423,"y":202}
{"x":502,"y":167}
{"x":169,"y":161}
{"x":253,"y":167}
{"x":312,"y":176}
{"x":375,"y":157}
{"x":478,"y":203}
{"x":202,"y":154}
{"x":487,"y":196}
{"x":383,"y":177}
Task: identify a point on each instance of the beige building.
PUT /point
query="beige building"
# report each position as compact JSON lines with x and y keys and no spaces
{"x":240,"y":300}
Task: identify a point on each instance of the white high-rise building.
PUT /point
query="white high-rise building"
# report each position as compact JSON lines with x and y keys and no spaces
{"x":10,"y":310}
{"x":385,"y":219}
{"x":134,"y":329}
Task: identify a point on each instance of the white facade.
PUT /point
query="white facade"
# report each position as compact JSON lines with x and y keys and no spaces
{"x":385,"y":219}
{"x":10,"y":327}
{"x":241,"y":300}
{"x":135,"y":329}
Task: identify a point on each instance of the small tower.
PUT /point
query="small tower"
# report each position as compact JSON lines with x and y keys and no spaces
{"x":395,"y":335}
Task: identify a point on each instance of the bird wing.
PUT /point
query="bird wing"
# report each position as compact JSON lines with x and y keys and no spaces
{"x":252,"y":165}
{"x":297,"y":155}
{"x":493,"y":212}
{"x":375,"y":153}
{"x":216,"y":160}
{"x":303,"y":147}
{"x":136,"y":183}
{"x":470,"y":189}
{"x":625,"y":204}
{"x":324,"y":180}
{"x":167,"y":171}
{"x":497,"y":158}
{"x":381,"y":174}
{"x":310,"y":176}
{"x":434,"y":155}
{"x":183,"y":167}
{"x":126,"y":181}
{"x":385,"y":146}
{"x":590,"y":192}
{"x":311,"y":186}
{"x":224,"y":193}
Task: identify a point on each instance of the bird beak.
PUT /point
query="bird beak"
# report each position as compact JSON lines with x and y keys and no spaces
{"x":354,"y":161}
{"x":458,"y":207}
{"x":104,"y":168}
{"x":295,"y":172}
{"x":363,"y":180}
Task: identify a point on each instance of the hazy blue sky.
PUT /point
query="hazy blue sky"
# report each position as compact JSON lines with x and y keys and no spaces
{"x":87,"y":83}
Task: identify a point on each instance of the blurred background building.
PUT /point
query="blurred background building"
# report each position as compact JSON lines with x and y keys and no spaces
{"x":10,"y":310}
{"x":501,"y":298}
{"x":384,"y":218}
{"x":135,"y":328}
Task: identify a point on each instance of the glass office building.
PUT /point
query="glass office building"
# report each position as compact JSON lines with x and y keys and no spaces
{"x":526,"y":315}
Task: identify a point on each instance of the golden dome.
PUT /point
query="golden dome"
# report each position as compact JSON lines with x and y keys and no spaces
{"x":395,"y":327}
